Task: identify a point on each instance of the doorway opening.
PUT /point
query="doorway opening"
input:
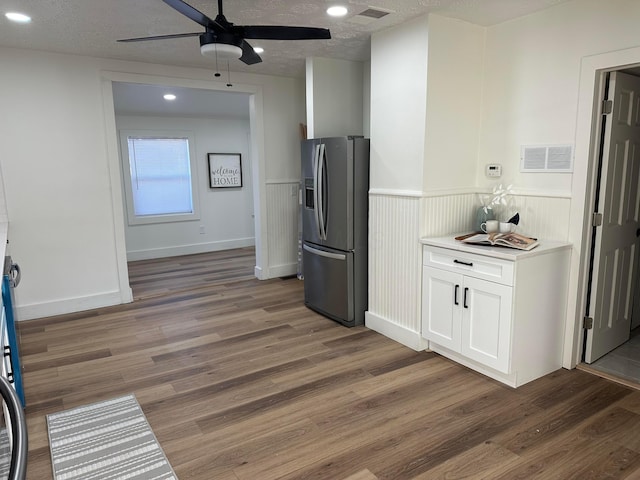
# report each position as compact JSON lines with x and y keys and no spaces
{"x":611,"y":339}
{"x":253,"y":166}
{"x":201,"y":216}
{"x":621,"y":364}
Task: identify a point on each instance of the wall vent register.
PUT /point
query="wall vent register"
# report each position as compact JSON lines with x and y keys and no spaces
{"x":546,"y":158}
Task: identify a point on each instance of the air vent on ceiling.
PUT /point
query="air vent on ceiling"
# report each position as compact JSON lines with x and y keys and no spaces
{"x":546,"y":158}
{"x":373,"y":13}
{"x":369,"y":15}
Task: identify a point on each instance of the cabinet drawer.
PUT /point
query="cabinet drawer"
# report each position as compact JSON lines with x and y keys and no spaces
{"x":477,"y":266}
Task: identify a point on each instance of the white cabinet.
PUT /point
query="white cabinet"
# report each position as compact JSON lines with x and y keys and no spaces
{"x":497,"y":311}
{"x":441,"y":312}
{"x":486,"y":323}
{"x":467,"y":315}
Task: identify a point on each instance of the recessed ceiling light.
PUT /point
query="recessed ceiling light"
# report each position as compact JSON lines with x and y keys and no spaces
{"x":169,"y":96}
{"x":18,"y":17}
{"x":258,"y":49}
{"x":337,"y":11}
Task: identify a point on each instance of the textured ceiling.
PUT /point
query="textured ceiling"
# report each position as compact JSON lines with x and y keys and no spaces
{"x":91,"y":27}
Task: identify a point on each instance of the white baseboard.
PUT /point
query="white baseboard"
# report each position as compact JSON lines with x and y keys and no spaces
{"x":71,"y":305}
{"x":283,"y":270}
{"x":189,"y":249}
{"x":395,"y":332}
{"x":259,"y":273}
{"x":276,"y":271}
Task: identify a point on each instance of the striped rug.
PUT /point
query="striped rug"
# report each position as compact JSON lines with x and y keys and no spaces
{"x":106,"y":440}
{"x":5,"y":453}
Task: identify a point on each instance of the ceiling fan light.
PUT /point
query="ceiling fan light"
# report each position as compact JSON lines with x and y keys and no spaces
{"x":337,"y":11}
{"x":222,"y":50}
{"x":18,"y":17}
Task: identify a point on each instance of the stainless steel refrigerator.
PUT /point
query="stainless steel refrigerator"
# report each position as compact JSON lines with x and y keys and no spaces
{"x":335,"y":182}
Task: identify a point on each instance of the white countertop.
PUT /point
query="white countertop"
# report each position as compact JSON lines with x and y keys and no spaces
{"x":504,"y":253}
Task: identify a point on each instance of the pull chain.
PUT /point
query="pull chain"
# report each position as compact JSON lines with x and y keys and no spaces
{"x":217,"y":74}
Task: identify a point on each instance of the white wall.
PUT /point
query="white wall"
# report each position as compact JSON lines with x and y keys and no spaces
{"x":532,"y":79}
{"x":539,"y":89}
{"x":426,"y":97}
{"x":398,"y":116}
{"x":284,"y":111}
{"x":366,"y":100}
{"x":226,"y":214}
{"x":62,"y":201}
{"x":334,"y":97}
{"x":3,"y":201}
{"x":454,"y":100}
{"x":398,"y":106}
{"x":56,"y":180}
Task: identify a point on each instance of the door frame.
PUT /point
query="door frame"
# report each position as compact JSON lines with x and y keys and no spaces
{"x":257,"y":161}
{"x":596,"y":338}
{"x":584,"y":184}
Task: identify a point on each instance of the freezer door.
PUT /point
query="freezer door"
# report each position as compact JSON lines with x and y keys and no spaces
{"x":328,"y":282}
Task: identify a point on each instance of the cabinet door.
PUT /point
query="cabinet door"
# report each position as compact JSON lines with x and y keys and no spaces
{"x":486,"y":323}
{"x":441,"y":302}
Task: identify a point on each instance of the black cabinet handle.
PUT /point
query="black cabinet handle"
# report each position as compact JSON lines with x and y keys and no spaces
{"x":466,"y":290}
{"x":468,"y":264}
{"x":455,"y":295}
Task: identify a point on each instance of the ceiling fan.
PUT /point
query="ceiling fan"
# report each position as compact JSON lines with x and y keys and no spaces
{"x":222,"y":37}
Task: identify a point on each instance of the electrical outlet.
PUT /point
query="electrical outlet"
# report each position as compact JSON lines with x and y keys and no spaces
{"x":201,"y":229}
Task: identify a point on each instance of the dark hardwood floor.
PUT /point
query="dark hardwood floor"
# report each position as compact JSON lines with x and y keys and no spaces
{"x":240,"y":381}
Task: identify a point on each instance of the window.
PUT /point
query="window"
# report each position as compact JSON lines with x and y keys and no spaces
{"x":160,"y":186}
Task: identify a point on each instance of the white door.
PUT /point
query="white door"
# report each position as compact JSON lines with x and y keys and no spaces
{"x":635,"y":314}
{"x":441,"y":300}
{"x":615,"y":246}
{"x":486,"y":323}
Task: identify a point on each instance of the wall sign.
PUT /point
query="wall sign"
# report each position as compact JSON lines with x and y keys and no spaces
{"x":225,"y":170}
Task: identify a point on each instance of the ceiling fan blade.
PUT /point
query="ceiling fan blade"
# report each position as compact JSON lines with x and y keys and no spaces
{"x":160,"y":37}
{"x":249,"y":56}
{"x":190,"y":12}
{"x":272,"y":32}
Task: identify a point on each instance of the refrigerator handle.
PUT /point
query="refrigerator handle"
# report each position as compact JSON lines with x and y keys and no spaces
{"x":322,"y":253}
{"x":320,"y":204}
{"x":316,"y":158}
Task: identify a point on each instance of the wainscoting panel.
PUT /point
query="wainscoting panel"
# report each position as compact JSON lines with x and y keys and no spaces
{"x":394,"y":261}
{"x":540,"y":216}
{"x":543,"y":217}
{"x":282,"y":217}
{"x":448,"y":214}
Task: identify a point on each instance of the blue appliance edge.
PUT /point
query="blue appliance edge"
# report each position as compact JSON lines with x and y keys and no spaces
{"x":7,"y":300}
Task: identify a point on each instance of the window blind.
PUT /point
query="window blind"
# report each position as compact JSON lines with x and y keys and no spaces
{"x":160,"y":176}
